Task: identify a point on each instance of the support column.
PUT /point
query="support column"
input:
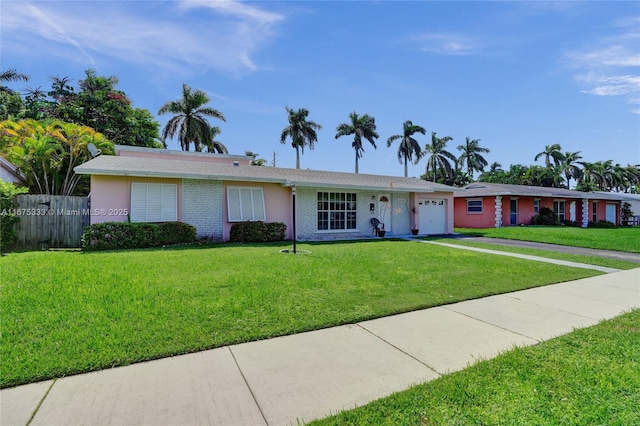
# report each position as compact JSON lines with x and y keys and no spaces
{"x":585,"y":212}
{"x":498,"y":211}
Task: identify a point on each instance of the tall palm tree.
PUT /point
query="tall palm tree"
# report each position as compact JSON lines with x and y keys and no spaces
{"x":569,"y":166}
{"x":408,"y":145}
{"x":471,"y":156}
{"x":438,"y":157}
{"x":213,"y":145}
{"x":190,"y":119}
{"x":361,"y":127}
{"x":551,"y":152}
{"x":301,"y":131}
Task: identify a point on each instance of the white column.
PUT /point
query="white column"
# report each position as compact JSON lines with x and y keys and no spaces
{"x":585,"y":212}
{"x":498,"y":211}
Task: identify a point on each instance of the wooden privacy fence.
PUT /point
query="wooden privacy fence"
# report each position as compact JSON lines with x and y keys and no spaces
{"x":51,"y":221}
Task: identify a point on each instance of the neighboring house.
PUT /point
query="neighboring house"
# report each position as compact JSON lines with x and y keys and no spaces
{"x":213,"y":191}
{"x":489,"y":205}
{"x":8,"y":172}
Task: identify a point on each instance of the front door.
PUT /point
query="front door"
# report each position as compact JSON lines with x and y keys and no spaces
{"x":611,"y":213}
{"x":513,"y":212}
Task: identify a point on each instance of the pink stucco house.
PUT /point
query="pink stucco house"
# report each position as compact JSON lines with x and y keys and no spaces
{"x":488,"y":205}
{"x":213,"y":191}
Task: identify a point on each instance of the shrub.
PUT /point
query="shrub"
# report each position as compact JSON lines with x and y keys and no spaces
{"x":176,"y":233}
{"x":601,"y":224}
{"x":8,"y":219}
{"x":568,"y":222}
{"x":257,"y":232}
{"x":126,"y":235}
{"x":546,"y":216}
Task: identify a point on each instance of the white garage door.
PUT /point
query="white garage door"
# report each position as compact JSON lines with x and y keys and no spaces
{"x":432,"y":216}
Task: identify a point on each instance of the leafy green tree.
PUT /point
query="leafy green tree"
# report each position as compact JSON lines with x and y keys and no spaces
{"x":301,"y":131}
{"x":408,"y":145}
{"x":8,"y":219}
{"x":552,"y":154}
{"x":438,"y":157}
{"x":11,"y":105}
{"x":96,"y":104}
{"x":46,"y":152}
{"x":362,"y":127}
{"x":471,"y":156}
{"x":190,"y":119}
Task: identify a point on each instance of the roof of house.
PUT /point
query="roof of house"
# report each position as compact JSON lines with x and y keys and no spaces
{"x":11,"y":169}
{"x":170,"y":168}
{"x":480,"y":189}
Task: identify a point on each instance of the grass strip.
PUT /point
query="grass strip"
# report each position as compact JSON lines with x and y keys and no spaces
{"x":587,"y":377}
{"x":71,"y":312}
{"x":620,"y":239}
{"x":589,"y":260}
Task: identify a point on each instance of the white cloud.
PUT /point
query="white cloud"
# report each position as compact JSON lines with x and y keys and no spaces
{"x":444,"y":44}
{"x":195,"y":35}
{"x":611,"y":67}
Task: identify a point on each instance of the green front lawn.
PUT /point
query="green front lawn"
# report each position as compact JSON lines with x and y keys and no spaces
{"x":620,"y":239}
{"x":71,"y":312}
{"x":588,"y":377}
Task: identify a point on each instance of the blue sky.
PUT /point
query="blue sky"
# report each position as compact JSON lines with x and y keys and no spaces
{"x":516,"y":75}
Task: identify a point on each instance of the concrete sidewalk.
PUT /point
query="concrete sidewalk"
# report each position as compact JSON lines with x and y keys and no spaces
{"x":311,"y":375}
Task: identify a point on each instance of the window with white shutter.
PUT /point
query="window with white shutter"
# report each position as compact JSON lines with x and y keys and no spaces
{"x":245,"y":204}
{"x":154,"y":202}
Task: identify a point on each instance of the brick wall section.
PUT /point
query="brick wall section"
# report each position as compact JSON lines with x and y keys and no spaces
{"x":202,"y":204}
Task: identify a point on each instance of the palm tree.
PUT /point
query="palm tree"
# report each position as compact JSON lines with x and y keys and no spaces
{"x":360,"y":127}
{"x":471,"y":156}
{"x":408,"y":145}
{"x":190,"y":119}
{"x":213,"y":145}
{"x":11,"y":75}
{"x":551,"y":152}
{"x":438,"y":157}
{"x":301,"y":131}
{"x":569,"y":166}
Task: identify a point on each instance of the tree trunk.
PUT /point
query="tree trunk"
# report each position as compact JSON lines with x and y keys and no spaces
{"x":356,"y":161}
{"x":297,"y":157}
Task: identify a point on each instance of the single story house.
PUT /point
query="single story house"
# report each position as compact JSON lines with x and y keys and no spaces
{"x":213,"y":191}
{"x":489,"y":205}
{"x":9,"y":172}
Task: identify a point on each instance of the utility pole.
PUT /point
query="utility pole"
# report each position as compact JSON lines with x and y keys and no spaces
{"x":273,"y":162}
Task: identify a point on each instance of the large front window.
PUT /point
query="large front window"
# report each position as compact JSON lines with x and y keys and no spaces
{"x":336,"y":211}
{"x":558,"y":209}
{"x":594,"y":212}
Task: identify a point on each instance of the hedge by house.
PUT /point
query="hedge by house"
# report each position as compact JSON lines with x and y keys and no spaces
{"x":126,"y":235}
{"x":257,"y":232}
{"x":8,"y":217}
